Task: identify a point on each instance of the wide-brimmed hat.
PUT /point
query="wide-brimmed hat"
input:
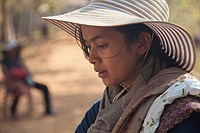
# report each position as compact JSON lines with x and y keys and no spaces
{"x":175,"y":41}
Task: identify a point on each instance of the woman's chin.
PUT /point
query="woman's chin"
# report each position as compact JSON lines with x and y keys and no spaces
{"x":108,"y":83}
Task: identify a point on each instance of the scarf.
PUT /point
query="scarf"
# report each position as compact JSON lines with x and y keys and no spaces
{"x":114,"y":115}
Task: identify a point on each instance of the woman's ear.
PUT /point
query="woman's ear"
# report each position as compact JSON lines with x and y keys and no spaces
{"x":144,"y":42}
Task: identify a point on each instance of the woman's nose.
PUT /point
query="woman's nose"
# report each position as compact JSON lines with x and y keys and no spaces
{"x":93,"y":57}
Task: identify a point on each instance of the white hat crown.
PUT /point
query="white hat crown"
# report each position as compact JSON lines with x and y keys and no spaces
{"x":157,"y":10}
{"x":148,"y":9}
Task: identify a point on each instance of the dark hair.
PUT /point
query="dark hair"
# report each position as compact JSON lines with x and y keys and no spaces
{"x":81,"y":42}
{"x":132,"y":32}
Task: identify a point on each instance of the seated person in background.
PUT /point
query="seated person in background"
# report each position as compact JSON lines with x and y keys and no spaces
{"x":18,"y":79}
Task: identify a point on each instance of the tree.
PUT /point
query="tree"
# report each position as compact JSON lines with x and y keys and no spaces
{"x":7,"y":25}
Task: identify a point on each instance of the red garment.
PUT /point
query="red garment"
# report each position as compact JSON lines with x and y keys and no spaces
{"x":18,"y":73}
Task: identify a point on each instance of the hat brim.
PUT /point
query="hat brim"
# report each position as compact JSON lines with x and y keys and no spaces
{"x":175,"y":41}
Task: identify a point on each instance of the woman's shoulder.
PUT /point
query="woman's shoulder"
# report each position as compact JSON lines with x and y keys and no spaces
{"x":180,"y":114}
{"x":183,"y":87}
{"x":190,"y":125}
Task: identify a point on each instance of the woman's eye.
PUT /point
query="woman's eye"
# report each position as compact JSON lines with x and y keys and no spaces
{"x":104,"y":46}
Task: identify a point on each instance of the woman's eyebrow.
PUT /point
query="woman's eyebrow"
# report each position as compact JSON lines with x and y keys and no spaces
{"x":93,"y":39}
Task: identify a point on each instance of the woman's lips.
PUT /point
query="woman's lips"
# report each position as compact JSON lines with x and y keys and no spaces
{"x":102,"y":74}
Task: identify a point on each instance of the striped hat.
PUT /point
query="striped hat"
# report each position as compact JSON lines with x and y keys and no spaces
{"x":175,"y":41}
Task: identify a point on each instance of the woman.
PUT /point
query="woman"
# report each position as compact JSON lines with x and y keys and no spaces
{"x":143,"y":60}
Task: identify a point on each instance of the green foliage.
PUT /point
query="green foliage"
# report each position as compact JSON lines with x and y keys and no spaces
{"x":186,"y":13}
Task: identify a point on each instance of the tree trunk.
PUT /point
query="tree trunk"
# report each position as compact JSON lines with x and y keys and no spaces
{"x":7,"y":23}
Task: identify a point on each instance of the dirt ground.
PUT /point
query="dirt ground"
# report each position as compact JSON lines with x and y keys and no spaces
{"x":59,"y":63}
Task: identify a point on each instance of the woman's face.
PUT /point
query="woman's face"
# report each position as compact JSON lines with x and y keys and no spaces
{"x":114,"y":62}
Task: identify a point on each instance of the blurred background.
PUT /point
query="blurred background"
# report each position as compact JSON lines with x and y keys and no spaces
{"x":54,"y":59}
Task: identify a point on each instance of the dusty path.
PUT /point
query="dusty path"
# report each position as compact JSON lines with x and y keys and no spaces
{"x":74,"y":86}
